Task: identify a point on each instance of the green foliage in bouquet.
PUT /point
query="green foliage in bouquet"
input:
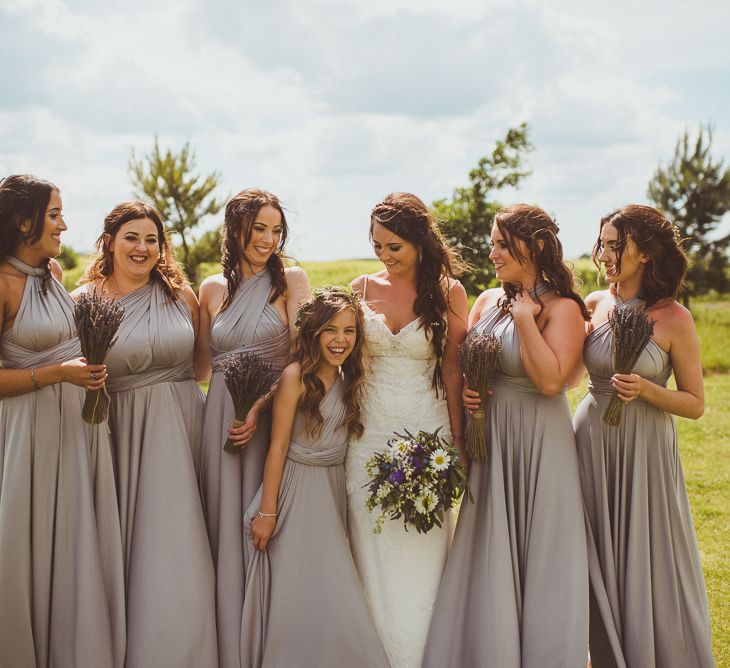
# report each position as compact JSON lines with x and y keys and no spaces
{"x":417,"y":478}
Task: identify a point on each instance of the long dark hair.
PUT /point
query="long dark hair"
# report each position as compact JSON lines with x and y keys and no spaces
{"x":406,"y":216}
{"x":23,"y":197}
{"x":654,"y":235}
{"x":539,"y":232}
{"x":312,"y":318}
{"x":238,"y":222}
{"x":167,"y":271}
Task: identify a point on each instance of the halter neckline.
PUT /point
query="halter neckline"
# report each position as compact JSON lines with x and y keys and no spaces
{"x":540,"y":289}
{"x":25,"y":268}
{"x":634,"y":301}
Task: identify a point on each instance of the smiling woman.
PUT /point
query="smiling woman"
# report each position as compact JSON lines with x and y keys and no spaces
{"x":61,"y":576}
{"x":155,"y":419}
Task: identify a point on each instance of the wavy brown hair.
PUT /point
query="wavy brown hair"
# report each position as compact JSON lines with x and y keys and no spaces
{"x":23,"y":197}
{"x":539,"y":232}
{"x":406,"y":216}
{"x":312,"y":318}
{"x":654,"y":235}
{"x":238,"y":221}
{"x":167,"y":271}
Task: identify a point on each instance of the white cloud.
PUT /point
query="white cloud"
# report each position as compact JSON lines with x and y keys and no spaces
{"x":333,"y":104}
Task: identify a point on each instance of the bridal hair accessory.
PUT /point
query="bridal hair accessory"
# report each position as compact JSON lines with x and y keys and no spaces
{"x":337,"y":295}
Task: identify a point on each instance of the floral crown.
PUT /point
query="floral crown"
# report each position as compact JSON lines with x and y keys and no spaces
{"x":329,"y":295}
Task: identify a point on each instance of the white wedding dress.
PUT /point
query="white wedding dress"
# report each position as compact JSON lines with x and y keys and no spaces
{"x":400,"y":571}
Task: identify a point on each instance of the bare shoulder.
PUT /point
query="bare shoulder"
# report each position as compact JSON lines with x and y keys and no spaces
{"x":359,"y":283}
{"x":84,"y":289}
{"x":191,"y":299}
{"x":212,"y":286}
{"x":595,"y":298}
{"x":295,"y":277}
{"x":489,"y":297}
{"x":563,"y":308}
{"x":672,"y":314}
{"x":455,"y":287}
{"x":56,"y":269}
{"x":290,"y":380}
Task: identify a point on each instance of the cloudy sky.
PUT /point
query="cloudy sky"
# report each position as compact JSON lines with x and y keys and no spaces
{"x":332,"y":104}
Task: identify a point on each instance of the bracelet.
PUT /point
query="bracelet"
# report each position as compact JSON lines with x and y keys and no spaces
{"x":33,"y":380}
{"x":267,"y":514}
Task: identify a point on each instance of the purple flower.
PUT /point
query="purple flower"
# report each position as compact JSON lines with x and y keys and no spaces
{"x":397,"y":477}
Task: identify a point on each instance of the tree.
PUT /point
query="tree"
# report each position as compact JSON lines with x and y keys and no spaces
{"x":207,"y":248}
{"x":467,"y":217}
{"x":693,"y":191}
{"x":68,"y":258}
{"x":181,"y":196}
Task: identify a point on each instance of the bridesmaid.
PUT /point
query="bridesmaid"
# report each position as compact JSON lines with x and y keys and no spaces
{"x":515,"y":588}
{"x":61,"y":573}
{"x":251,"y":306}
{"x":155,"y":419}
{"x":648,"y":600}
{"x":304,"y":604}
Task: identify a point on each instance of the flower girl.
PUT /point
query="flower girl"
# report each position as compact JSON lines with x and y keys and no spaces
{"x":304,"y":603}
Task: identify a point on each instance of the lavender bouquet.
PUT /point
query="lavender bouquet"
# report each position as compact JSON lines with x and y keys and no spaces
{"x":417,"y":478}
{"x":478,"y":355}
{"x":97,"y":323}
{"x":248,"y":377}
{"x":632,"y":330}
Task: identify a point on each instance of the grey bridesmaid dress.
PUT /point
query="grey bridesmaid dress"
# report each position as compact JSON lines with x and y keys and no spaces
{"x":304,"y":603}
{"x":648,"y":600}
{"x":515,"y":589}
{"x":61,"y":572}
{"x":155,"y":418}
{"x":229,"y":482}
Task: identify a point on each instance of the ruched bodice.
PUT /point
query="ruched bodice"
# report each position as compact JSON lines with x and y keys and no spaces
{"x":44,"y":324}
{"x":155,"y":340}
{"x":237,"y":328}
{"x":329,"y":447}
{"x":653,"y":364}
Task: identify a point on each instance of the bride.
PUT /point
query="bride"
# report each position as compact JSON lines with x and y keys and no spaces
{"x":415,"y":318}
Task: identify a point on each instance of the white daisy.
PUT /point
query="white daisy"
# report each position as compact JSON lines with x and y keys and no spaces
{"x":440,"y":459}
{"x":426,"y":502}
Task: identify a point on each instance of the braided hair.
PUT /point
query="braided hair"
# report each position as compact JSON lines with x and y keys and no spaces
{"x":240,"y":215}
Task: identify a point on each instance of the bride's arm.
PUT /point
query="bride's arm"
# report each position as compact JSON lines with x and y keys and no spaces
{"x":451,"y":368}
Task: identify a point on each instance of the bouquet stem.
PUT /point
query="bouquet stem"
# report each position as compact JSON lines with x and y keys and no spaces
{"x":612,"y":414}
{"x":96,"y":406}
{"x":228,"y":446}
{"x":477,"y":446}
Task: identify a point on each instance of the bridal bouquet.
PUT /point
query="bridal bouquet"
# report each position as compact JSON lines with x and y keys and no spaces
{"x":632,"y":332}
{"x":417,"y":478}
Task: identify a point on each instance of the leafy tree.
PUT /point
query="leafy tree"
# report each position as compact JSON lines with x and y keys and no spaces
{"x":693,"y":191}
{"x":181,"y":196}
{"x":207,"y":248}
{"x":68,"y":258}
{"x":467,"y":217}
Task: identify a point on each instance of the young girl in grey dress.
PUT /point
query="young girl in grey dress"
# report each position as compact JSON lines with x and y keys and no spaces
{"x":304,"y":603}
{"x":61,"y":573}
{"x":155,"y":419}
{"x":250,"y":307}
{"x":648,"y":601}
{"x":515,"y":589}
